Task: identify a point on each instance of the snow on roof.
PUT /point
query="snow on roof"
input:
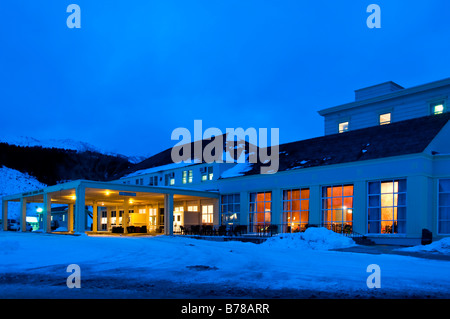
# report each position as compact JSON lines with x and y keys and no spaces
{"x":238,"y":170}
{"x":161,"y":168}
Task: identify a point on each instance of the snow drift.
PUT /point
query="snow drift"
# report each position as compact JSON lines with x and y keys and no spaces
{"x":441,"y":247}
{"x":316,"y":238}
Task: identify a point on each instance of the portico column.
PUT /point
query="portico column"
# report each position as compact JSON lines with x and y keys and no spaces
{"x":47,"y":213}
{"x":80,"y":209}
{"x":70,"y":218}
{"x":168,"y":214}
{"x":147,"y":219}
{"x":23,"y":214}
{"x":108,"y":218}
{"x":95,"y":217}
{"x":125,"y":216}
{"x":5,"y":214}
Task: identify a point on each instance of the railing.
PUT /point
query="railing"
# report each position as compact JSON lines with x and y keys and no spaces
{"x":229,"y":230}
{"x":257,"y":230}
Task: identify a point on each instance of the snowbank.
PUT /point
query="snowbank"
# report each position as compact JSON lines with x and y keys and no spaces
{"x":313,"y":238}
{"x":441,"y":246}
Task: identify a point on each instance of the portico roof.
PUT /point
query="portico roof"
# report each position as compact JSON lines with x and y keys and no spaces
{"x":109,"y":193}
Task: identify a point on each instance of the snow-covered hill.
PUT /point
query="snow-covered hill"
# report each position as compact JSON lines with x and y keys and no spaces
{"x":14,"y":182}
{"x":67,"y":144}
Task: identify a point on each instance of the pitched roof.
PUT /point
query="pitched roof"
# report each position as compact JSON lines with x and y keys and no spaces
{"x":163,"y":160}
{"x":395,"y":139}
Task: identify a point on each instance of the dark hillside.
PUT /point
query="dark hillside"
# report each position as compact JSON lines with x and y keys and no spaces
{"x":52,"y":165}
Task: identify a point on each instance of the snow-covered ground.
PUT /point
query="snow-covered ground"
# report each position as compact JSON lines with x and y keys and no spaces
{"x":34,"y":265}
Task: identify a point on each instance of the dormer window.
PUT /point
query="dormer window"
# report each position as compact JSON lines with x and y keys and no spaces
{"x":385,"y":118}
{"x":343,"y":127}
{"x":437,"y":108}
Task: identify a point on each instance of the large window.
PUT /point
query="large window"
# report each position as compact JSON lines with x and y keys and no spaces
{"x":295,"y":209}
{"x":387,"y":207}
{"x":260,"y":211}
{"x":104,"y":220}
{"x":444,"y":207}
{"x":207,"y":214}
{"x":337,"y":208}
{"x":230,"y":209}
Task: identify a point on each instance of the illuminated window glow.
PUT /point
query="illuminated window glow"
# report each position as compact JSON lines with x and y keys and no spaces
{"x":385,"y":118}
{"x":295,"y":210}
{"x":337,"y":208}
{"x":343,"y":127}
{"x":207,"y":214}
{"x":438,"y":108}
{"x":387,"y":207}
{"x":260,"y":211}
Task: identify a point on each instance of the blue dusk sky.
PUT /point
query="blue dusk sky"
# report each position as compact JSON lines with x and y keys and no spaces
{"x":137,"y":70}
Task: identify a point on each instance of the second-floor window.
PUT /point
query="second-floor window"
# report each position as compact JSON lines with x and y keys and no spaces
{"x":187,"y":176}
{"x":437,"y":108}
{"x":343,"y":127}
{"x":385,"y":118}
{"x":153,"y":181}
{"x":207,"y":173}
{"x":169,"y":179}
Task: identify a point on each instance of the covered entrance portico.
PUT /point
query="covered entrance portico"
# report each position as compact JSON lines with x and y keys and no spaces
{"x":115,"y":207}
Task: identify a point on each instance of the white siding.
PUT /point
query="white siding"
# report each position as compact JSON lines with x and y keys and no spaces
{"x":402,"y":108}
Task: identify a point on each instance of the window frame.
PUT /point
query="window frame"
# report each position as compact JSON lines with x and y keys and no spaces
{"x":343,"y":130}
{"x":301,"y":225}
{"x":438,"y":192}
{"x":236,"y":208}
{"x":380,"y":207}
{"x":253,"y":220}
{"x":330,"y":210}
{"x":384,"y":122}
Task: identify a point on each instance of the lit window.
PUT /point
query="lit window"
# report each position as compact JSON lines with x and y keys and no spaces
{"x":337,"y":208}
{"x":343,"y":127}
{"x":385,"y":118}
{"x":207,"y":214}
{"x":207,"y":173}
{"x":438,"y":108}
{"x":169,"y":179}
{"x":187,"y":177}
{"x":295,"y":210}
{"x":260,"y":211}
{"x":387,"y":207}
